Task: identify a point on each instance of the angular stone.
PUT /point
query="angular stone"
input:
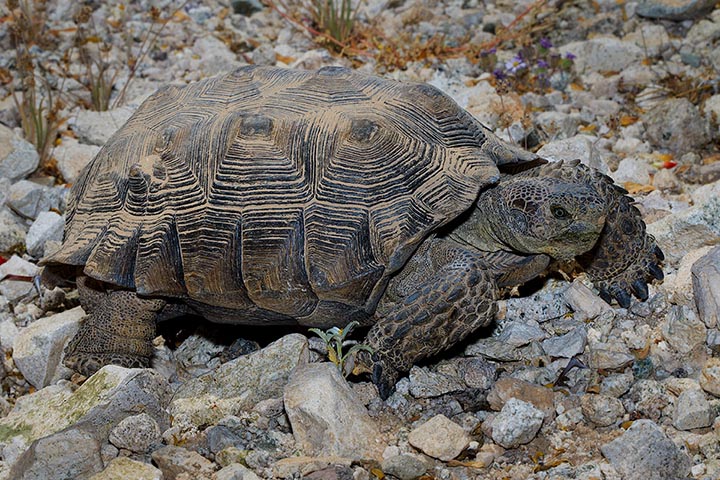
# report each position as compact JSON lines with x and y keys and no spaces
{"x":39,"y":348}
{"x":95,"y":128}
{"x":676,"y":124}
{"x":12,"y":230}
{"x":72,"y":453}
{"x":98,"y":405}
{"x":648,"y":399}
{"x":557,"y":124}
{"x":710,"y":376}
{"x":644,"y":452}
{"x":14,"y":290}
{"x":692,"y":410}
{"x":688,"y":230}
{"x":609,"y":356}
{"x":136,"y":433}
{"x":18,"y":158}
{"x":427,"y":384}
{"x":294,"y":467}
{"x":705,"y":281}
{"x":568,"y":345}
{"x":617,"y":384}
{"x":635,"y":169}
{"x":72,"y":156}
{"x":520,"y":333}
{"x":439,"y":438}
{"x":506,"y":388}
{"x":602,"y":410}
{"x":174,"y":461}
{"x":650,"y":37}
{"x":404,"y":467}
{"x":235,"y":471}
{"x":215,"y":56}
{"x":586,"y":304}
{"x":123,"y":468}
{"x":8,"y":334}
{"x":678,"y":285}
{"x":48,"y":226}
{"x":682,"y":329}
{"x":517,"y":423}
{"x":603,"y":54}
{"x":581,"y":147}
{"x":29,"y":199}
{"x":675,"y":10}
{"x":326,"y":418}
{"x":240,"y":383}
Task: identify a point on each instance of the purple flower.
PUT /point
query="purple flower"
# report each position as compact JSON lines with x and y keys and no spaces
{"x":570,"y":56}
{"x":545,"y":43}
{"x":489,"y":52}
{"x":515,"y":64}
{"x":499,"y":74}
{"x":542,"y":63}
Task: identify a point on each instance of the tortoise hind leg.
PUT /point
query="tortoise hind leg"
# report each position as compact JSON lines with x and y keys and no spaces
{"x":119,"y":331}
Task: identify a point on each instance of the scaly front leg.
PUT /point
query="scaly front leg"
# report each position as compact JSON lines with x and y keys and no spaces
{"x":443,"y":294}
{"x":625,"y":257}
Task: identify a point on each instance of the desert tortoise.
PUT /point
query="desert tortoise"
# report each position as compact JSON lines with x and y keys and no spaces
{"x":271,"y":196}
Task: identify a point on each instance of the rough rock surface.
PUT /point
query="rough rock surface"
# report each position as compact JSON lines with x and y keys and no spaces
{"x":38,"y":349}
{"x":440,"y":438}
{"x":326,"y":417}
{"x":705,"y":281}
{"x":517,"y":423}
{"x":18,"y":158}
{"x":644,"y":452}
{"x":241,"y":383}
{"x":123,"y":468}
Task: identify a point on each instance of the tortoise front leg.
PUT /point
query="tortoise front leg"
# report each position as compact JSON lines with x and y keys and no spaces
{"x":441,"y":296}
{"x":119,"y":330}
{"x":625,"y":257}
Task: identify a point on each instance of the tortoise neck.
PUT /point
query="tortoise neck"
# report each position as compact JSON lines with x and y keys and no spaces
{"x":479,"y":230}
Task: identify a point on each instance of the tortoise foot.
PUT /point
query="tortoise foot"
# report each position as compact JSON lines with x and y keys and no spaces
{"x":87,"y":363}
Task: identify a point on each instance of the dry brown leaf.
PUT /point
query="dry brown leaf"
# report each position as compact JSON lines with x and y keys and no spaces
{"x":634,"y":188}
{"x":626,"y":120}
{"x":469,"y":464}
{"x":378,"y":473}
{"x":285,"y":59}
{"x":180,"y":16}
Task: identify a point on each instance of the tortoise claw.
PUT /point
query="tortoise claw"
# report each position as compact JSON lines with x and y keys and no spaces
{"x":640,"y":289}
{"x":659,"y":253}
{"x":384,"y":377}
{"x":656,"y":271}
{"x":605,"y":295}
{"x":623,"y":297}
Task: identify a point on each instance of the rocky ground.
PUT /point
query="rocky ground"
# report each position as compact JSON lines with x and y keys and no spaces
{"x":631,"y":88}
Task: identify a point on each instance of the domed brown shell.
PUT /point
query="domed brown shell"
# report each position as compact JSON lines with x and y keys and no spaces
{"x":291,"y":191}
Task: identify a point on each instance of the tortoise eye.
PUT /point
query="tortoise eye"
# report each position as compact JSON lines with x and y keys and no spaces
{"x":559,"y":212}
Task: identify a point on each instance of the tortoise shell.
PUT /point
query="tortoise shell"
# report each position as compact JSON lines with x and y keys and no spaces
{"x":292,"y":193}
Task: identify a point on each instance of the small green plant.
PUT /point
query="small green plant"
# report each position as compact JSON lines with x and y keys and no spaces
{"x":34,"y":94}
{"x":336,"y":340}
{"x":93,"y":47}
{"x":335,"y":18}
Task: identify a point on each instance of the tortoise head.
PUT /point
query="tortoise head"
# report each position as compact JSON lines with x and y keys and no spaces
{"x":560,"y":217}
